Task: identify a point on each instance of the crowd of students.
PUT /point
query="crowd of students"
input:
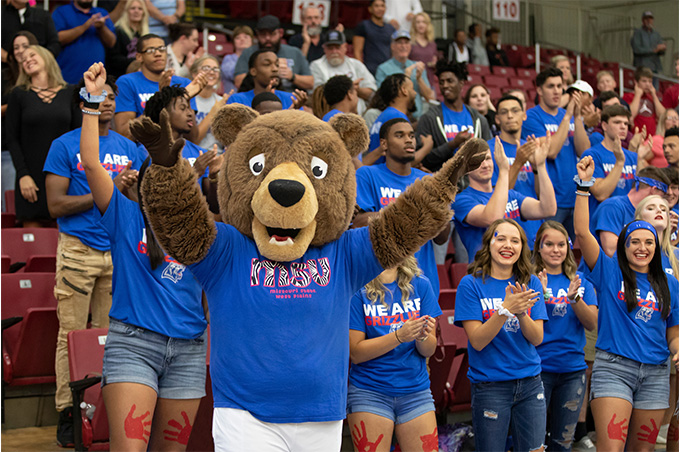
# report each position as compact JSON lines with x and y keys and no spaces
{"x":576,"y":171}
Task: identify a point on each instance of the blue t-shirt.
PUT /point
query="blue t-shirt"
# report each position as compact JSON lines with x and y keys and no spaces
{"x":674,"y":234}
{"x":509,"y":355}
{"x":246,"y":98}
{"x":564,"y":336}
{"x":525,"y":183}
{"x":280,"y":330}
{"x":563,"y":168}
{"x":595,"y":138}
{"x":612,"y":215}
{"x":63,"y":159}
{"x":377,"y":187}
{"x":374,"y":134}
{"x":402,"y":370}
{"x":639,"y":335}
{"x":76,"y":57}
{"x":167,"y":7}
{"x":135,"y":89}
{"x":327,"y":117}
{"x":666,"y":263}
{"x":377,"y":42}
{"x":456,"y":122}
{"x":604,"y":161}
{"x":166,"y":300}
{"x":471,"y":236}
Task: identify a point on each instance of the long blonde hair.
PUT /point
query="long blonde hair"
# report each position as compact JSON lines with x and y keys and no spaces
{"x":665,"y":238}
{"x":429,"y":33}
{"x":569,"y":263}
{"x":406,"y":271}
{"x":124,"y":21}
{"x":481,"y":266}
{"x":54,"y":77}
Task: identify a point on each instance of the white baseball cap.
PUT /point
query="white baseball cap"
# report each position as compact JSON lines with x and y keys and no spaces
{"x":581,"y":85}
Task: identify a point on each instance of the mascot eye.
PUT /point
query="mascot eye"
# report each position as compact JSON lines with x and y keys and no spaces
{"x":256,"y":164}
{"x":319,"y":168}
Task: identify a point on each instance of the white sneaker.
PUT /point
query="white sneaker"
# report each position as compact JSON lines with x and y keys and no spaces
{"x":584,"y":444}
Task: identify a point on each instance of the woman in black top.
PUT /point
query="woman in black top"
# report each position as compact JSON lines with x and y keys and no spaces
{"x":39,"y":109}
{"x":132,"y":24}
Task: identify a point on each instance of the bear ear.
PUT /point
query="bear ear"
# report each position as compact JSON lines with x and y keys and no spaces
{"x":230,"y":120}
{"x":353,"y":132}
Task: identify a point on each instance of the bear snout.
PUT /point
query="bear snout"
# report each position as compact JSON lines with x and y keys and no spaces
{"x":286,"y":192}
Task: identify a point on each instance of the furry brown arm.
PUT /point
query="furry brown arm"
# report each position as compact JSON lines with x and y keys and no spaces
{"x":421,"y":212}
{"x":177,"y":211}
{"x":172,"y":200}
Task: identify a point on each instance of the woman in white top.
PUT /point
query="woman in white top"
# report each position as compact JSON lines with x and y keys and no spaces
{"x":184,"y":39}
{"x":208,"y":102}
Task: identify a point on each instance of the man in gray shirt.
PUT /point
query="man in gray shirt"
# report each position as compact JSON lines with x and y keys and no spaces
{"x":647,"y":44}
{"x":293,"y":66}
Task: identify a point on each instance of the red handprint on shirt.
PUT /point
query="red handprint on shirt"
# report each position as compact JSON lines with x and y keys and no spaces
{"x":617,"y":431}
{"x":135,"y":427}
{"x":649,"y":434}
{"x":430,"y":442}
{"x":183,"y":432}
{"x":361,"y":442}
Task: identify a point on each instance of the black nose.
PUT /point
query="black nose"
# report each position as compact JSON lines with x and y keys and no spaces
{"x":286,"y":192}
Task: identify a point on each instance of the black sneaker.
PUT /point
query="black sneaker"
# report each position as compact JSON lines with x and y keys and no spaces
{"x":65,"y":428}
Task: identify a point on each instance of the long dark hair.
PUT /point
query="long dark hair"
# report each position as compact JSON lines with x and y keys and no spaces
{"x":569,"y":263}
{"x":12,"y":71}
{"x":656,"y":276}
{"x":153,"y":249}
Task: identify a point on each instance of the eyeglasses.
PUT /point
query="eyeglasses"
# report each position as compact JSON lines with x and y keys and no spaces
{"x":152,"y":50}
{"x":209,"y":69}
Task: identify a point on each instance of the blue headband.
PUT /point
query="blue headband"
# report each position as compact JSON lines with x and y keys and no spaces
{"x":651,"y":182}
{"x":640,"y":224}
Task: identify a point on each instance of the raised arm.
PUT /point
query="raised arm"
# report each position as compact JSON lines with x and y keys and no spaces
{"x":483,"y":215}
{"x":98,"y":178}
{"x":178,"y":212}
{"x":533,"y":209}
{"x":423,"y":209}
{"x":562,"y":133}
{"x":590,"y":250}
{"x":605,"y":186}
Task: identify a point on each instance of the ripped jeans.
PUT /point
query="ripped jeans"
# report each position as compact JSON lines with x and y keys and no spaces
{"x":563,"y":397}
{"x":515,"y":404}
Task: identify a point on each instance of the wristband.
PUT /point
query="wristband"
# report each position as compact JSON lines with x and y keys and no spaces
{"x":582,"y":193}
{"x":397,"y":336}
{"x":90,"y":100}
{"x":519,"y":316}
{"x":574,"y":300}
{"x":505,"y":312}
{"x":91,"y":113}
{"x":584,"y":185}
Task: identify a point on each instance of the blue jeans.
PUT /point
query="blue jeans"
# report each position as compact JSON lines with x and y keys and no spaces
{"x":565,"y":216}
{"x":517,"y":404}
{"x":563,"y":396}
{"x":8,"y":176}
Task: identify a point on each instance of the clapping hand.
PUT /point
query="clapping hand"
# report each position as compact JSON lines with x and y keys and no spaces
{"x":519,"y":298}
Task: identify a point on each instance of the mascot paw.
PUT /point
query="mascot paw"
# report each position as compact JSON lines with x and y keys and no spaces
{"x":468,"y":158}
{"x":157,"y":139}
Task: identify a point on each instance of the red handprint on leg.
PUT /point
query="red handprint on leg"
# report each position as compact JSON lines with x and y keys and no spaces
{"x":430,"y":442}
{"x":182,"y":433}
{"x":617,"y":431}
{"x":135,"y":427}
{"x":361,"y":442}
{"x":649,"y":434}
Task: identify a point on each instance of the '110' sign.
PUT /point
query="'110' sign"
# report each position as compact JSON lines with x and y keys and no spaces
{"x":506,"y":10}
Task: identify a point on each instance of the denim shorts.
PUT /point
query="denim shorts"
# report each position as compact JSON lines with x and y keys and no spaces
{"x":174,"y":368}
{"x":399,"y":409}
{"x":645,"y":386}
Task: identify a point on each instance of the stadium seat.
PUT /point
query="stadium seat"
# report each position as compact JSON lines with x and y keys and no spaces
{"x":9,"y":220}
{"x":440,"y":367}
{"x":496,"y":81}
{"x":21,"y":243}
{"x":474,"y":79}
{"x":29,"y":329}
{"x":523,"y":83}
{"x":201,"y":433}
{"x":526,"y":73}
{"x":5,"y":264}
{"x":495,"y":93}
{"x":85,"y":357}
{"x":478,"y":69}
{"x":458,"y":395}
{"x":504,"y":71}
{"x":447,"y":298}
{"x":456,"y":273}
{"x":41,"y":264}
{"x":9,"y":202}
{"x":443,"y":273}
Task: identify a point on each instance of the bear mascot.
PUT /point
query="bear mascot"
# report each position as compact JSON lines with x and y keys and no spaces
{"x":280,"y":272}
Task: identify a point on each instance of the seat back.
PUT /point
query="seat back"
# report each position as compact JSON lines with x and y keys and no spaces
{"x":442,"y":272}
{"x":458,"y":383}
{"x":41,"y":264}
{"x":21,"y":243}
{"x":21,"y":291}
{"x":9,"y":202}
{"x":456,"y":273}
{"x":85,"y":359}
{"x":447,"y":298}
{"x":33,"y":354}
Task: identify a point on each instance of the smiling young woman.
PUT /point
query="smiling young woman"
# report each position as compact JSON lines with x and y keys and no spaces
{"x":499,"y":304}
{"x":638,"y":329}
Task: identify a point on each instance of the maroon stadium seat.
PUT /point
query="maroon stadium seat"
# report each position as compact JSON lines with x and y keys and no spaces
{"x":9,"y":202}
{"x":526,"y":73}
{"x":41,"y":264}
{"x":447,"y":298}
{"x":496,"y":80}
{"x":443,"y":273}
{"x":21,"y":243}
{"x":478,"y":69}
{"x":456,"y":273}
{"x":458,"y":386}
{"x":504,"y":71}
